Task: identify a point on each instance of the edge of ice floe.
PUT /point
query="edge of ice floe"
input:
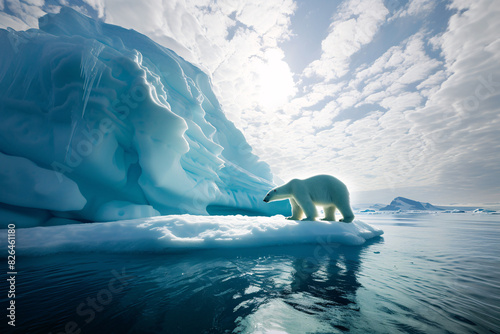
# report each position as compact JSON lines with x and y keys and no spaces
{"x":186,"y":232}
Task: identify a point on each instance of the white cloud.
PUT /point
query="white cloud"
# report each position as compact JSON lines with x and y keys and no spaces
{"x":97,"y":5}
{"x":379,"y":145}
{"x":35,"y":2}
{"x":388,"y":78}
{"x":460,"y":121}
{"x":9,"y":21}
{"x":266,"y":18}
{"x":354,"y":26}
{"x":402,"y":101}
{"x":26,"y":12}
{"x":166,"y":22}
{"x":450,"y":142}
{"x":430,"y":85}
{"x":416,"y":7}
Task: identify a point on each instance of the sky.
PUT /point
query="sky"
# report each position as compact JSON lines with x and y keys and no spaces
{"x":395,"y":98}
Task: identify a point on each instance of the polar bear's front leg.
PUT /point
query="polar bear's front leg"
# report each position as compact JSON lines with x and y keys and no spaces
{"x":304,"y":201}
{"x":296,"y":210}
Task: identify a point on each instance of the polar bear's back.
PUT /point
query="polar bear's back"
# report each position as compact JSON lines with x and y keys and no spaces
{"x":325,"y":189}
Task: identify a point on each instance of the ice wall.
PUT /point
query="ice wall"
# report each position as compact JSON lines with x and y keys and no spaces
{"x":100,"y":123}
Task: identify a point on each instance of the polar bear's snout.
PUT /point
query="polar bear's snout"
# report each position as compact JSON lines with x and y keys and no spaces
{"x":269,"y":196}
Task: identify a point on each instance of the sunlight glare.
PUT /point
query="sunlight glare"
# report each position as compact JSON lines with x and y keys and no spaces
{"x":276,"y":81}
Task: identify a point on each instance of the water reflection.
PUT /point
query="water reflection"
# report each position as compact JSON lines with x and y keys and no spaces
{"x":292,"y":289}
{"x":332,"y":279}
{"x":321,"y":291}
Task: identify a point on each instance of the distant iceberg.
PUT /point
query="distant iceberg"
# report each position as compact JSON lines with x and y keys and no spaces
{"x":100,"y":123}
{"x":405,"y":204}
{"x":186,"y":232}
{"x":483,"y":211}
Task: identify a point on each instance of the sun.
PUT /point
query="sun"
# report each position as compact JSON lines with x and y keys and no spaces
{"x":276,"y":81}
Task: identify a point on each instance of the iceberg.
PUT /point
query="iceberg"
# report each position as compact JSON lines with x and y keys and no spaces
{"x":173,"y":233}
{"x":405,"y":204}
{"x":100,"y":123}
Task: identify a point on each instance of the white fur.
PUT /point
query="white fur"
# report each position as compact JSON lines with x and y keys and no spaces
{"x":320,"y":190}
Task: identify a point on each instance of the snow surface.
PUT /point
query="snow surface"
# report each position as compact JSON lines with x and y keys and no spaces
{"x":100,"y":123}
{"x":184,"y":232}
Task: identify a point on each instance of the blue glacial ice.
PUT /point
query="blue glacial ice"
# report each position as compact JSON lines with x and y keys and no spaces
{"x":100,"y":123}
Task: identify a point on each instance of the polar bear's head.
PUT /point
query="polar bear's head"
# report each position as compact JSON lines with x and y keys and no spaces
{"x":276,"y":194}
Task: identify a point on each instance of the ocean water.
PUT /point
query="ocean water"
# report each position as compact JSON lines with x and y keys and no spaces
{"x":430,"y":273}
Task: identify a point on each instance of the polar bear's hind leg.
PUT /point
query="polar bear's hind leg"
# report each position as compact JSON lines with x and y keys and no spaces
{"x":347,"y":214}
{"x":329,"y":213}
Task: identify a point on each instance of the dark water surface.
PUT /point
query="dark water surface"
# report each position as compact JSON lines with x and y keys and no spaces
{"x":428,"y":274}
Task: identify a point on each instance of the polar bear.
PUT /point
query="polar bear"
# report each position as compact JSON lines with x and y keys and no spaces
{"x":322,"y":190}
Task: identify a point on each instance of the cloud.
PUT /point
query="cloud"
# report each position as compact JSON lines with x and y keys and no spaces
{"x":265,"y":17}
{"x":9,"y":21}
{"x":25,"y":16}
{"x":355,"y":25}
{"x":397,"y":68}
{"x":432,"y":84}
{"x":97,"y":5}
{"x":460,"y":121}
{"x":377,"y":143}
{"x":430,"y":123}
{"x":415,"y":8}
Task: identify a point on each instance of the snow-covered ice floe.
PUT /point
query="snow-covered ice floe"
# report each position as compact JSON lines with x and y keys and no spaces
{"x":185,"y":232}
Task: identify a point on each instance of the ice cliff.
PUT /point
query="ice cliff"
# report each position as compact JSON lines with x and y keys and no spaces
{"x":100,"y":123}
